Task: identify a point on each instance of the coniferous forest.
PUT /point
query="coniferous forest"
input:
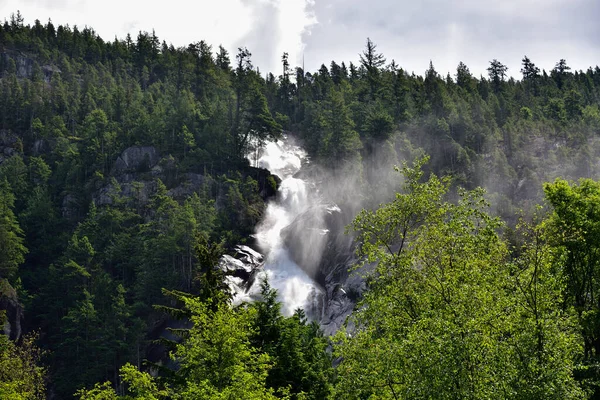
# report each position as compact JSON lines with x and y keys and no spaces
{"x":124,"y":178}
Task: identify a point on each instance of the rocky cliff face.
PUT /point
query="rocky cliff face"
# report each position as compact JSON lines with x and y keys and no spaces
{"x":9,"y":144}
{"x":13,"y":310}
{"x":135,"y":158}
{"x":327,"y":256}
{"x":317,"y":243}
{"x":135,"y":172}
{"x":308,"y":255}
{"x":25,"y":65}
{"x":241,"y":268}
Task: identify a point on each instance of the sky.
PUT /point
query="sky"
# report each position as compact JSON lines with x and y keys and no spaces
{"x":412,"y":33}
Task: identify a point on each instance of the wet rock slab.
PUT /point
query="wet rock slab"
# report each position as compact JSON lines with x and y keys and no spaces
{"x":241,"y":268}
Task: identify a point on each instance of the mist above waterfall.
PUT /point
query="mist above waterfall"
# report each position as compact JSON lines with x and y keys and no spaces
{"x":302,"y":231}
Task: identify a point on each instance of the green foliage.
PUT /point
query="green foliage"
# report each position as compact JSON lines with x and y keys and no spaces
{"x":249,"y":351}
{"x":217,"y":360}
{"x":95,"y":266}
{"x":574,"y":226}
{"x":301,"y":363}
{"x":338,"y":142}
{"x":140,"y":386}
{"x":546,"y":335}
{"x":526,"y":113}
{"x":243,"y":208}
{"x":12,"y":249}
{"x":22,"y":376}
{"x":212,"y":280}
{"x":14,"y":171}
{"x":446,"y":314}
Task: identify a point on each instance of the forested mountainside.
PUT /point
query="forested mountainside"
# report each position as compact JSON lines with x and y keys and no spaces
{"x":124,"y":177}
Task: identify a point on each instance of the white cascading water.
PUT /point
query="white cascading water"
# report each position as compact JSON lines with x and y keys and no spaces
{"x":295,"y":288}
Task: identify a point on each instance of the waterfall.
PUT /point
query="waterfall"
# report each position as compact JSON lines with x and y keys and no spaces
{"x":302,"y":242}
{"x":295,"y":196}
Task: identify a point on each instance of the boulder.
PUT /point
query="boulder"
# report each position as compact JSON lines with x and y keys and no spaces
{"x":24,"y":66}
{"x":343,"y":289}
{"x":136,"y":159}
{"x":9,"y":144}
{"x":241,"y":268}
{"x":69,"y":207}
{"x":192,"y":183}
{"x":49,"y":71}
{"x":268,"y":183}
{"x":135,"y":191}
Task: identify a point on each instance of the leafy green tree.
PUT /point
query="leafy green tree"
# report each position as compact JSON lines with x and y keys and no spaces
{"x":39,"y":171}
{"x":217,"y":360}
{"x":268,"y":318}
{"x":545,"y":333}
{"x":222,"y":60}
{"x":555,"y":109}
{"x":574,"y":233}
{"x":140,"y":386}
{"x":434,"y":91}
{"x":338,"y":141}
{"x":22,"y":376}
{"x":160,"y":266}
{"x":560,"y":72}
{"x":98,"y":141}
{"x":531,"y":75}
{"x":573,"y":104}
{"x":213,"y":288}
{"x":243,"y":209}
{"x":14,"y":171}
{"x":76,"y":349}
{"x":301,"y":363}
{"x":439,"y":319}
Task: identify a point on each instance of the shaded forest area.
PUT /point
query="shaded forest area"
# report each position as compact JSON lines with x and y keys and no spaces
{"x":123,"y":178}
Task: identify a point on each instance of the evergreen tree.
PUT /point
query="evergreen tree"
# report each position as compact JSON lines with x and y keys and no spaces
{"x":497,"y":74}
{"x":464,"y":79}
{"x":12,"y":248}
{"x":529,"y":70}
{"x":372,"y":61}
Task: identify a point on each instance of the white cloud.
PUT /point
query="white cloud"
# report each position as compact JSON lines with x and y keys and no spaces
{"x":412,"y":33}
{"x":296,"y":19}
{"x":232,"y":23}
{"x":447,"y":32}
{"x":178,"y":22}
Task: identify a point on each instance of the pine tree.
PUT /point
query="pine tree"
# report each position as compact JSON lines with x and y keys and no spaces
{"x":497,"y":74}
{"x":12,"y":248}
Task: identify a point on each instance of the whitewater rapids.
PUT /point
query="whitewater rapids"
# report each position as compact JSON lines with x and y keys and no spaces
{"x":295,"y":288}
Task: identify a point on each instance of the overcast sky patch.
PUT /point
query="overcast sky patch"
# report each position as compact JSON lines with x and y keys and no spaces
{"x":319,"y":31}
